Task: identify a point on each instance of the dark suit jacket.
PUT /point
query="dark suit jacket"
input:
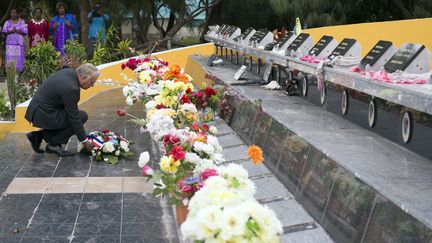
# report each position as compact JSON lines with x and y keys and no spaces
{"x":55,"y":104}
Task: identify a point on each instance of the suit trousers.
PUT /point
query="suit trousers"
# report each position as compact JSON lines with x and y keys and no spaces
{"x":61,"y":136}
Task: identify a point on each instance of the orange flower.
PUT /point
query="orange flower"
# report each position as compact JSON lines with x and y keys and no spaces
{"x":255,"y":154}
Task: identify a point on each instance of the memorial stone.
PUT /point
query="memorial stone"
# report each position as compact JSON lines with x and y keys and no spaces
{"x":302,"y":44}
{"x":323,"y":47}
{"x":348,"y":47}
{"x":378,"y":55}
{"x":412,"y":58}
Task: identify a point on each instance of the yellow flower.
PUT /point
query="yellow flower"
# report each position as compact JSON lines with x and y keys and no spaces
{"x":169,"y":165}
{"x":144,"y":77}
{"x":255,"y":154}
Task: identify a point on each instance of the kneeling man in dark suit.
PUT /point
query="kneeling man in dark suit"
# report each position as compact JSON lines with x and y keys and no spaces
{"x":54,"y":109}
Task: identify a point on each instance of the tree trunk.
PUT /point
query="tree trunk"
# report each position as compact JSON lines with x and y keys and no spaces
{"x":209,"y":16}
{"x":84,"y":9}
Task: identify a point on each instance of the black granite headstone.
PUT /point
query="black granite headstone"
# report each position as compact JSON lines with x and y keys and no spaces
{"x":246,"y":33}
{"x":343,"y":47}
{"x":375,"y":53}
{"x":403,"y":57}
{"x":301,"y":38}
{"x":321,"y":45}
{"x":285,"y":38}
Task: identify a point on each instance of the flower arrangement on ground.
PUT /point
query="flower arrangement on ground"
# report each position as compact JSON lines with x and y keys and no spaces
{"x":108,"y":146}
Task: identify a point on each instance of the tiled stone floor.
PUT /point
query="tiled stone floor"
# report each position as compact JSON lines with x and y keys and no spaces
{"x":47,"y":199}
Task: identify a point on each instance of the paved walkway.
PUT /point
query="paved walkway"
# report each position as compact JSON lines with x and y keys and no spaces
{"x":47,"y":199}
{"x":75,"y":199}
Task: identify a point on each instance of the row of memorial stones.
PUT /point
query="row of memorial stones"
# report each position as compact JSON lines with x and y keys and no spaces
{"x":413,"y":58}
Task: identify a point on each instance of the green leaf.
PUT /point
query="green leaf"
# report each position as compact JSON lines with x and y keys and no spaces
{"x":127,"y":154}
{"x":112,"y":159}
{"x":173,"y":201}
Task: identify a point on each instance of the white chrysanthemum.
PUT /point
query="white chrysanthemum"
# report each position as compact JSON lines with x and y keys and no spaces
{"x":117,"y":153}
{"x":233,"y":170}
{"x":213,"y":141}
{"x":218,"y":158}
{"x":129,"y":100}
{"x":124,"y":145}
{"x":269,"y":224}
{"x":213,"y":130}
{"x":203,"y":147}
{"x":192,"y":158}
{"x":233,"y":222}
{"x":189,"y":107}
{"x":108,"y":147}
{"x":150,"y":105}
{"x":143,"y":159}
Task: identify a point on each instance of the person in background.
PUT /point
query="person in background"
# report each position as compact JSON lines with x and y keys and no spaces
{"x":15,"y":30}
{"x":64,"y":27}
{"x":37,"y":29}
{"x":98,"y":24}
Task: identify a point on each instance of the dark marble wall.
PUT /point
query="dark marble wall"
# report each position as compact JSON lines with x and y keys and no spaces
{"x":349,"y":209}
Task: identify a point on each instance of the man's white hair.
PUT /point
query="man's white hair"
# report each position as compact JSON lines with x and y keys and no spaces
{"x":87,"y":71}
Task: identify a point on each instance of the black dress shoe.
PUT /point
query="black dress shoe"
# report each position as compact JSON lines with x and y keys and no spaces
{"x":58,"y":150}
{"x":35,"y":141}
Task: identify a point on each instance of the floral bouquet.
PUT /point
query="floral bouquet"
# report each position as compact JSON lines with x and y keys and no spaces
{"x":107,"y":146}
{"x":206,"y":100}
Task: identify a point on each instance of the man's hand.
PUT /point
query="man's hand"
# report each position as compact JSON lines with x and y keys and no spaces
{"x":88,"y":145}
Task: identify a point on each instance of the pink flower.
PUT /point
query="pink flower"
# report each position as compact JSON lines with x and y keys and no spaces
{"x":208,"y":173}
{"x":147,"y":171}
{"x":187,"y":189}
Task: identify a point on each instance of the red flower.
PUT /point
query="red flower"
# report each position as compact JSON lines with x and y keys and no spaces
{"x":209,"y":91}
{"x":106,"y":131}
{"x":121,"y":112}
{"x":194,"y":127}
{"x":188,"y":91}
{"x":177,"y":152}
{"x":205,"y":127}
{"x":185,"y":99}
{"x":160,"y":106}
{"x":168,"y":139}
{"x":208,"y":173}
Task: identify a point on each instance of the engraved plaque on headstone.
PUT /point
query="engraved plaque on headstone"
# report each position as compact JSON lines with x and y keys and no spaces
{"x":404,"y":57}
{"x":301,"y":38}
{"x":285,"y":39}
{"x":222,"y":29}
{"x":375,"y":53}
{"x":270,"y":46}
{"x":320,"y":45}
{"x":246,"y":32}
{"x":342,"y":48}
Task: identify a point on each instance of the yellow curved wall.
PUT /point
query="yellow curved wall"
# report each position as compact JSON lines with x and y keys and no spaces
{"x":399,"y":32}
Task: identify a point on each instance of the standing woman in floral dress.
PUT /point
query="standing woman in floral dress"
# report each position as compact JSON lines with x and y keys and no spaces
{"x":64,"y":27}
{"x":37,"y":29}
{"x":15,"y":30}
